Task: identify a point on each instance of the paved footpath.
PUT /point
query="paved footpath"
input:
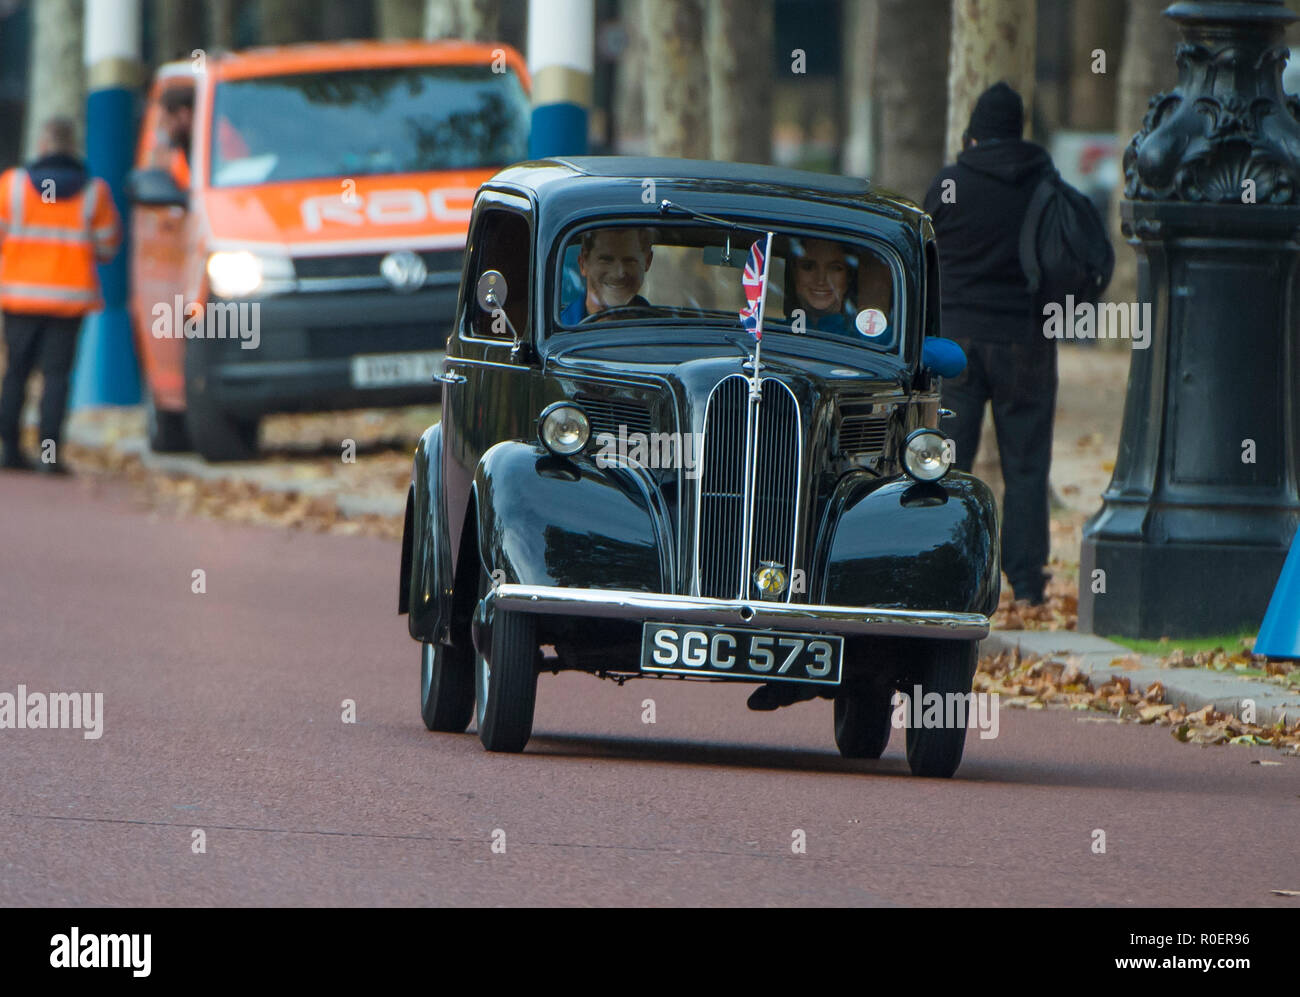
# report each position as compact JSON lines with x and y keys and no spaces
{"x":222,"y":713}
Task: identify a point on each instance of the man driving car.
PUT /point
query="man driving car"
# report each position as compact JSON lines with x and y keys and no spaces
{"x":613,"y":262}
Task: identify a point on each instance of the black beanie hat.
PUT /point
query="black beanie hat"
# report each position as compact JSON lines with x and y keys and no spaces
{"x":999,"y":113}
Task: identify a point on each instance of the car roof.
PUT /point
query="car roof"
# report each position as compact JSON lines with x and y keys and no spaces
{"x":663,"y":167}
{"x":541,"y":173}
{"x":310,"y":57}
{"x":566,"y":187}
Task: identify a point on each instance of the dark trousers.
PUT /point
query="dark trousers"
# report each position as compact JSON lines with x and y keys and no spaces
{"x":52,"y":341}
{"x":1019,"y":380}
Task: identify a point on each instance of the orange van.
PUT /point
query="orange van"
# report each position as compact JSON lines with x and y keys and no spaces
{"x":314,"y":261}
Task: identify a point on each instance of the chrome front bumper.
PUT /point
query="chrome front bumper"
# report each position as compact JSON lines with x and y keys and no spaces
{"x":553,"y":600}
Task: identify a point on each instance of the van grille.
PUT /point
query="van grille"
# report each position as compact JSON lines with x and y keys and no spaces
{"x":367,"y":264}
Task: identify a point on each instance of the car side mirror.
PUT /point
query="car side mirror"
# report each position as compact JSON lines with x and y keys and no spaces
{"x":155,"y":188}
{"x":942,"y":357}
{"x":490,"y":293}
{"x":491,"y":290}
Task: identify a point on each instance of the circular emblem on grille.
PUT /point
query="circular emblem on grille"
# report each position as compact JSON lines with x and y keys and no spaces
{"x":403,"y":270}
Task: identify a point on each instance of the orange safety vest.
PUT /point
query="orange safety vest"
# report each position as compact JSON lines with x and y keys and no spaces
{"x":50,"y":247}
{"x":179,"y":167}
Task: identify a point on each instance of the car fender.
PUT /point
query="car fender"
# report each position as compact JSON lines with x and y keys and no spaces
{"x":425,"y":590}
{"x":907,"y":545}
{"x":548,"y":520}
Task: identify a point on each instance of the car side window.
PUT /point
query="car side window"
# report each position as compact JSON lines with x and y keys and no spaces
{"x":505,"y":245}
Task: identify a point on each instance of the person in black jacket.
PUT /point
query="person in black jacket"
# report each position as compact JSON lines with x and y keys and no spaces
{"x":978,"y":205}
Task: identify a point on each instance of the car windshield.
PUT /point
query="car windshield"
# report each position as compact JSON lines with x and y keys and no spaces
{"x":405,"y":119}
{"x":817,"y":285}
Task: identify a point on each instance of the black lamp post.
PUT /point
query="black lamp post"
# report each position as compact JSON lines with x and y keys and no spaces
{"x":1203,"y":501}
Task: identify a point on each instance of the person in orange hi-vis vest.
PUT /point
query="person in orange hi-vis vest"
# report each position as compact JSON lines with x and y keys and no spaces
{"x":178,"y":116}
{"x":56,"y":221}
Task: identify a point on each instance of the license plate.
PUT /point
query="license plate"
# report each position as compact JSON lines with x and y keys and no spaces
{"x":770,"y":655}
{"x":378,"y":370}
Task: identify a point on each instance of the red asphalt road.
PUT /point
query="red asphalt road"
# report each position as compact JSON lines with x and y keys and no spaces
{"x":223,"y":712}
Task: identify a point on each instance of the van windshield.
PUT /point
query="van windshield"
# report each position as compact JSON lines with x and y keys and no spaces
{"x":364,"y":122}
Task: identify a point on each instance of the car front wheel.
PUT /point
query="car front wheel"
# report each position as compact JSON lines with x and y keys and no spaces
{"x":935,"y":752}
{"x":862,"y":721}
{"x":506,"y":686}
{"x":446,"y":687}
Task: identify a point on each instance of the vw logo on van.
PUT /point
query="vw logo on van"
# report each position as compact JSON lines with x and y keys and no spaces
{"x":404,"y":270}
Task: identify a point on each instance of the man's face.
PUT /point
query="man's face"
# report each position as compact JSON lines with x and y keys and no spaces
{"x":614,"y":267}
{"x":176,"y":123}
{"x":821,"y":276}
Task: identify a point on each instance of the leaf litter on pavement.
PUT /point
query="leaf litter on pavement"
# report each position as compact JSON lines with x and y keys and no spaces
{"x":1033,"y":682}
{"x":303,"y":456}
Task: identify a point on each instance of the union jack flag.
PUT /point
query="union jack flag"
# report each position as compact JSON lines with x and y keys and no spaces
{"x":755,"y":283}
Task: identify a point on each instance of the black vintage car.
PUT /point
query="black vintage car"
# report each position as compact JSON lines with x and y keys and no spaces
{"x":627,"y":482}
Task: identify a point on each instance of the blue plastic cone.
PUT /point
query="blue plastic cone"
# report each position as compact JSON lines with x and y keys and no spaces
{"x":1279,"y":634}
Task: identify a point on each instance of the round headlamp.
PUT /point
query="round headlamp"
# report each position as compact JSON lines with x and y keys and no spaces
{"x":563,"y":428}
{"x":926,"y":455}
{"x":234,"y":274}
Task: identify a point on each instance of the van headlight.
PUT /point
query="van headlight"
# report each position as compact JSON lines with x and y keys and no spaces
{"x":238,"y":273}
{"x":927,"y":455}
{"x":563,"y":428}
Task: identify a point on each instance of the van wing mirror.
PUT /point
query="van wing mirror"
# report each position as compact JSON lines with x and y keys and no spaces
{"x":155,"y":188}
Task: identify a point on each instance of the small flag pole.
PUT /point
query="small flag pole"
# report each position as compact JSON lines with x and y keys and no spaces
{"x":754,"y":388}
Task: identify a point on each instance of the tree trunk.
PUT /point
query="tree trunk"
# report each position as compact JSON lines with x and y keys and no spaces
{"x":56,"y":81}
{"x":346,"y":19}
{"x":992,"y":40}
{"x":441,"y":19}
{"x":399,"y":18}
{"x":859,"y":56}
{"x":283,"y":22}
{"x":911,"y":95}
{"x":677,"y":98}
{"x":1148,"y":68}
{"x":629,"y":84}
{"x":740,"y":79}
{"x":479,"y":20}
{"x":1095,"y":25}
{"x":221,"y":25}
{"x":178,"y":30}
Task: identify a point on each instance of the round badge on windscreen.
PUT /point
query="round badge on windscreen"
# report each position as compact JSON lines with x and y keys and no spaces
{"x":871,"y":322}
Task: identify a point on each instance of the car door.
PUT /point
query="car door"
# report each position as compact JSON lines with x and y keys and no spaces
{"x":489,"y":394}
{"x":159,"y":256}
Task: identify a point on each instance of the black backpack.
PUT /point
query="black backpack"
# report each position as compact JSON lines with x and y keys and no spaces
{"x":1064,"y":247}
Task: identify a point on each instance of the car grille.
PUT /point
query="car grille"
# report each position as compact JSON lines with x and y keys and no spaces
{"x":775,"y":499}
{"x":367,"y":264}
{"x":334,"y":341}
{"x":605,"y":415}
{"x":863,"y":434}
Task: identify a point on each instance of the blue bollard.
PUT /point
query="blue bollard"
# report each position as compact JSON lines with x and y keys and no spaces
{"x":1279,"y":634}
{"x":107,"y":372}
{"x":561,"y":55}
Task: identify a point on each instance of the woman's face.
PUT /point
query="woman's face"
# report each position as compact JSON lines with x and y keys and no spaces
{"x":821,"y":276}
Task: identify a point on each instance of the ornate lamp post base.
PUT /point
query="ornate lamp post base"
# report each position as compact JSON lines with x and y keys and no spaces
{"x":1203,"y":503}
